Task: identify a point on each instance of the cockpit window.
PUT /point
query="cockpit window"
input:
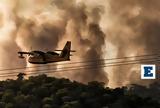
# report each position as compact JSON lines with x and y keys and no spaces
{"x":36,"y":53}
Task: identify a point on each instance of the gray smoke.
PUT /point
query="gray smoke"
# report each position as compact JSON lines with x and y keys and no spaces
{"x":87,"y":32}
{"x":47,"y":25}
{"x":135,"y":30}
{"x":40,"y":37}
{"x":132,"y":28}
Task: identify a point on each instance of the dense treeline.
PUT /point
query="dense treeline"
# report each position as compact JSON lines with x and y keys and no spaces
{"x":49,"y":92}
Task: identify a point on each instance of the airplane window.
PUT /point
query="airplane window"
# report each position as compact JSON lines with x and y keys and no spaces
{"x":31,"y":55}
{"x":35,"y":55}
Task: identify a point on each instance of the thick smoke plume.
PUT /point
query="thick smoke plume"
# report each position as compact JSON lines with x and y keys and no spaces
{"x":134,"y":30}
{"x":47,"y":23}
{"x":97,"y":29}
{"x":84,"y":30}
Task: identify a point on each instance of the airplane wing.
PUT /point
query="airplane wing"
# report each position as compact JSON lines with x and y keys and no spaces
{"x":69,"y":50}
{"x":22,"y":53}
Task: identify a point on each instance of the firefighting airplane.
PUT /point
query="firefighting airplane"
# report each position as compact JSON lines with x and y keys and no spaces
{"x":39,"y":57}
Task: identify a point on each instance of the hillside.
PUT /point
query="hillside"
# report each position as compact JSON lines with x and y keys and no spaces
{"x":49,"y":92}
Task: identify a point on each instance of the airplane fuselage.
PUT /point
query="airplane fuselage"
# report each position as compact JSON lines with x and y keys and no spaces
{"x":40,"y":57}
{"x":46,"y":58}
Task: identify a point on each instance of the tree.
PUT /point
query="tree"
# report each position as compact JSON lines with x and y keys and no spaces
{"x":73,"y":104}
{"x":47,"y":92}
{"x":8,"y":96}
{"x":47,"y":106}
{"x":20,"y":76}
{"x":47,"y":100}
{"x":9,"y":105}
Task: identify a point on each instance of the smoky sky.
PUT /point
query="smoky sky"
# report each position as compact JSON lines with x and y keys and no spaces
{"x":43,"y":27}
{"x":86,"y":21}
{"x":135,"y":30}
{"x":130,"y":26}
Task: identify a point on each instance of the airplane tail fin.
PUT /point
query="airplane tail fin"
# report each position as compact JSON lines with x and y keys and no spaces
{"x":66,"y":51}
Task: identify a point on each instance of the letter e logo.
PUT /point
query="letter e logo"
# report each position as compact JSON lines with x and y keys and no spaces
{"x":148,"y":72}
